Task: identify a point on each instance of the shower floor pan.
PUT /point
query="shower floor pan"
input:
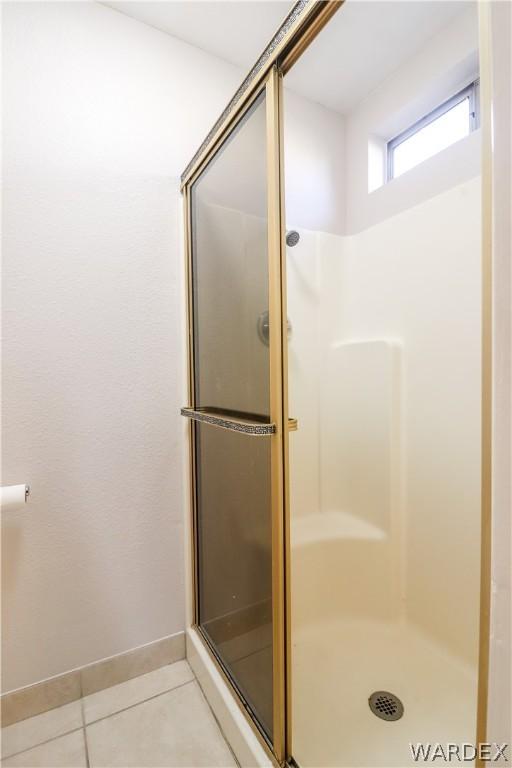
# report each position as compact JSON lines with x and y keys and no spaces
{"x":337,"y":665}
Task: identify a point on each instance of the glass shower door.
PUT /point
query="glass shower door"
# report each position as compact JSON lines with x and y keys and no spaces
{"x":231,"y":411}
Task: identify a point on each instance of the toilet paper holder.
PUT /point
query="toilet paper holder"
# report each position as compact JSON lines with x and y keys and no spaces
{"x":14,"y":497}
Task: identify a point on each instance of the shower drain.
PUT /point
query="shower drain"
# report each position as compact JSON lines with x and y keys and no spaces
{"x":386,"y":705}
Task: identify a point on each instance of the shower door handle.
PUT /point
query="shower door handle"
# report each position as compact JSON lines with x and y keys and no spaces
{"x":235,"y":423}
{"x":246,"y":426}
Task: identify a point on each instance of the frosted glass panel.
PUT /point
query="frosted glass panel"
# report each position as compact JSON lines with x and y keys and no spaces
{"x":235,"y":566}
{"x":230,"y":273}
{"x":231,"y":361}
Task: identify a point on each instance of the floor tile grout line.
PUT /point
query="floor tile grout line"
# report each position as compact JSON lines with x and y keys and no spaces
{"x":82,"y":708}
{"x":85,"y":725}
{"x":142,"y":701}
{"x":221,"y":731}
{"x":86,"y":748}
{"x":40,"y":743}
{"x":219,"y":726}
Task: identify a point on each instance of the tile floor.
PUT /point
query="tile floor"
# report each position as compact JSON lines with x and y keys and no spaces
{"x":157,"y":719}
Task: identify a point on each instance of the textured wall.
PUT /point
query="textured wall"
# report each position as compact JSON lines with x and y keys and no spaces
{"x":101,"y":113}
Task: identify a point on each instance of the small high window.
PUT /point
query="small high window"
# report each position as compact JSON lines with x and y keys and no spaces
{"x":445,"y":125}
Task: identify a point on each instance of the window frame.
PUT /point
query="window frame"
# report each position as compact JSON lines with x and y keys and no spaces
{"x":469,"y":91}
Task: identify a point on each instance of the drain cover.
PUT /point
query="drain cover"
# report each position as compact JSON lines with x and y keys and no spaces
{"x":386,"y":705}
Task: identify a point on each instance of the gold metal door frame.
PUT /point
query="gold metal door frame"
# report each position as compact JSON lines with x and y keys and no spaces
{"x":299,"y":28}
{"x":277,"y":414}
{"x":485,"y":55}
{"x":278,"y":418}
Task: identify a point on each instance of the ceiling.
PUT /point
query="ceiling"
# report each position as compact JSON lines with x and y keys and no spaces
{"x":234,"y":30}
{"x":364,"y":42}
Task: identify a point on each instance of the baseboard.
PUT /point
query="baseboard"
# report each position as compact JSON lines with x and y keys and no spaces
{"x":237,"y":731}
{"x":70,"y":686}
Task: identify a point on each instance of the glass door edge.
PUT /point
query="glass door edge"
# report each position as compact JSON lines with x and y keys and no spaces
{"x":277,"y":403}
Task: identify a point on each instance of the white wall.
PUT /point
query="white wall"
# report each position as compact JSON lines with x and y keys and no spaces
{"x":314,"y":150}
{"x":101,"y":113}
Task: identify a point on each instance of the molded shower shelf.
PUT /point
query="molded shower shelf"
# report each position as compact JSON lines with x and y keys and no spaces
{"x":324,"y":526}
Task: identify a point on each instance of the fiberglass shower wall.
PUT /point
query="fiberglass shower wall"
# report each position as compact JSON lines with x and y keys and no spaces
{"x":384,"y":293}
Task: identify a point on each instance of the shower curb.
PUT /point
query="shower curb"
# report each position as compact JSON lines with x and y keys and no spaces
{"x":235,"y":728}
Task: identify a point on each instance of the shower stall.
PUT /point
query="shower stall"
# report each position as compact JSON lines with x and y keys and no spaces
{"x":338,"y":268}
